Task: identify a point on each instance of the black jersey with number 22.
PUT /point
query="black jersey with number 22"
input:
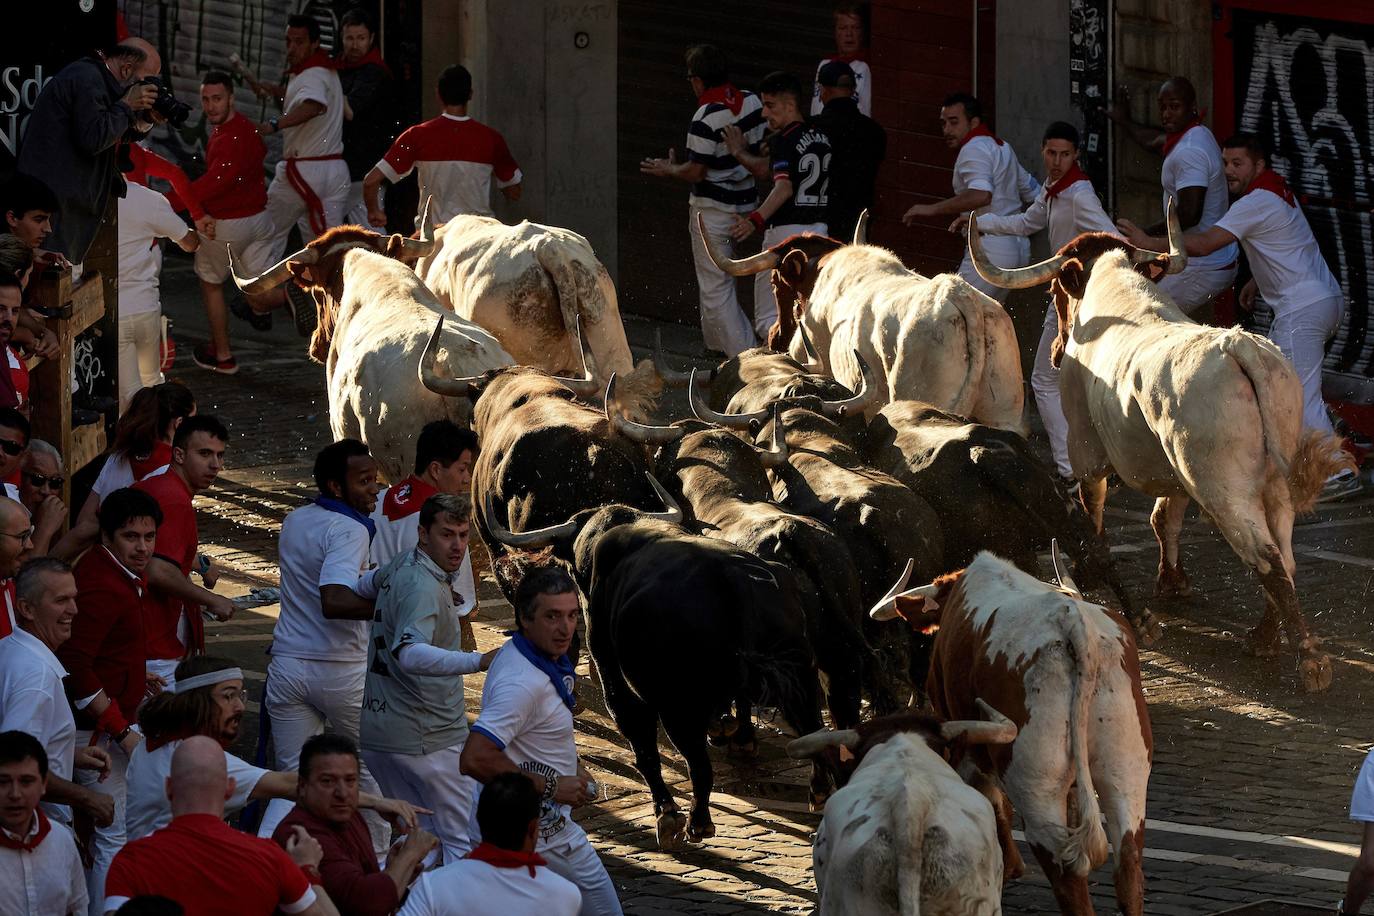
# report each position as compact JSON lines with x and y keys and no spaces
{"x":802,"y":153}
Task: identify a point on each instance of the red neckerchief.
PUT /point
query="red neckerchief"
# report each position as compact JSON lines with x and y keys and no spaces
{"x":29,"y":844}
{"x":860,"y":54}
{"x":1270,"y":180}
{"x":318,"y":59}
{"x":406,"y":498}
{"x":1171,"y":139}
{"x":980,"y":131}
{"x":506,"y":858}
{"x":1072,"y":176}
{"x":159,"y":456}
{"x":725,"y":93}
{"x":373,"y":56}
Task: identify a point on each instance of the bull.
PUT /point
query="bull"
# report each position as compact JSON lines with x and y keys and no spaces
{"x":1183,"y":412}
{"x":1065,"y":671}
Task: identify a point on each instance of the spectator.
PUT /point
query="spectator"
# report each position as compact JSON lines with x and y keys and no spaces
{"x":145,"y":164}
{"x":41,"y":479}
{"x":857,"y":145}
{"x":413,"y":718}
{"x":205,"y":864}
{"x":14,"y":379}
{"x":319,"y":644}
{"x":29,"y":206}
{"x":72,"y":136}
{"x":1068,"y":205}
{"x":1192,"y":176}
{"x":799,"y":162}
{"x":174,"y":601}
{"x":16,"y":537}
{"x":850,"y":48}
{"x":40,"y":868}
{"x":370,"y":119}
{"x":1361,"y":881}
{"x":1289,"y":271}
{"x":526,"y":724}
{"x":31,"y":695}
{"x":106,"y":678}
{"x":235,"y":194}
{"x":14,"y":445}
{"x":504,"y":874}
{"x":327,"y":808}
{"x":144,"y":217}
{"x":444,"y":455}
{"x":456,"y":155}
{"x":722,"y":189}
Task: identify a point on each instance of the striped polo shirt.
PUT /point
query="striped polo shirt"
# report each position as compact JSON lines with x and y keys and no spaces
{"x":728,"y":185}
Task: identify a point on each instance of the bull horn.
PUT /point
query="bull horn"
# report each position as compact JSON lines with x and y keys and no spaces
{"x":1008,"y":277}
{"x":587,"y":386}
{"x":274,"y":276}
{"x":1060,"y":568}
{"x":671,"y":377}
{"x":672,"y":511}
{"x":702,"y":411}
{"x":745,"y":267}
{"x":448,"y":387}
{"x":637,"y":432}
{"x":862,"y":398}
{"x":861,"y":229}
{"x":1178,"y":255}
{"x":813,"y":360}
{"x":998,"y":730}
{"x":775,"y":457}
{"x":883,"y":610}
{"x":422,"y":247}
{"x":822,"y":740}
{"x":539,"y":537}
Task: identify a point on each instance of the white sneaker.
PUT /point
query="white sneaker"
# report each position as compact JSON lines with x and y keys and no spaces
{"x":1339,"y":486}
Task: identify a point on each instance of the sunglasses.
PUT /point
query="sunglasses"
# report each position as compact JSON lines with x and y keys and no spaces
{"x":38,"y":480}
{"x":11,"y":448}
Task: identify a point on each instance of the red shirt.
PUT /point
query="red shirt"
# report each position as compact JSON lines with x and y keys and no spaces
{"x":177,"y":542}
{"x":233,"y":185}
{"x":349,"y":869}
{"x":209,"y":868}
{"x":106,"y":649}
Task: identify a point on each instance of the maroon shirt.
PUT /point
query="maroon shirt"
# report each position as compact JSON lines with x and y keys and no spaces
{"x":349,"y":869}
{"x":106,"y":647}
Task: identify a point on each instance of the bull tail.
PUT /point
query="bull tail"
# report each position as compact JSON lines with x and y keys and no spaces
{"x":1085,"y":847}
{"x":976,"y":341}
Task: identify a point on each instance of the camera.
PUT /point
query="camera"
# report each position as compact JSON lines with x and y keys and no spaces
{"x":169,"y":106}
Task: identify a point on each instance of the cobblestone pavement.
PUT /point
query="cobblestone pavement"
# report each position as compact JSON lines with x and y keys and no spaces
{"x":1250,"y":781}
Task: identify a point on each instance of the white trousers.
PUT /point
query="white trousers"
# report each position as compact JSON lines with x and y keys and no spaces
{"x":724,"y":326}
{"x":1002,"y":250}
{"x":578,"y":862}
{"x":107,"y":841}
{"x":302,"y":695}
{"x":250,"y":238}
{"x":1301,"y":334}
{"x":1197,"y":286}
{"x":1045,"y":384}
{"x":431,"y":781}
{"x":140,"y":354}
{"x":329,"y":179}
{"x":765,"y":305}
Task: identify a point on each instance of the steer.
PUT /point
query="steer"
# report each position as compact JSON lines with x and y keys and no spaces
{"x":1066,"y":672}
{"x":374,"y":316}
{"x":653,"y":594}
{"x":905,"y":836}
{"x":937,"y":339}
{"x":1182,"y":412}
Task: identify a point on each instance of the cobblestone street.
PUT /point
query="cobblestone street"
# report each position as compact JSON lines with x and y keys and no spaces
{"x":1250,"y":782}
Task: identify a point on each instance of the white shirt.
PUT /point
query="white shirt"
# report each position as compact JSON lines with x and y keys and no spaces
{"x":147,"y":808}
{"x":486,"y":890}
{"x":985,"y":165}
{"x":32,"y":700}
{"x":863,"y":86}
{"x":1362,"y":798}
{"x":1288,"y":266}
{"x":403,"y":534}
{"x":1076,"y":210}
{"x":48,"y":881}
{"x":523,"y":714}
{"x":322,"y":135}
{"x":116,"y":474}
{"x":1195,"y":162}
{"x":12,"y":492}
{"x":317,"y":548}
{"x":144,"y":217}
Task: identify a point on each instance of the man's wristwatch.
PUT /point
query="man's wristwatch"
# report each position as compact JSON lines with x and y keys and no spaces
{"x":272,"y":123}
{"x":120,"y":736}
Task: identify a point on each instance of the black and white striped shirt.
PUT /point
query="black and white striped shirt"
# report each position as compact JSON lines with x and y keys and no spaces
{"x":727,"y":185}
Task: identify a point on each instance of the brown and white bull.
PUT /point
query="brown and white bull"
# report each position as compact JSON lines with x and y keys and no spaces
{"x":530,"y":286}
{"x":1066,"y":672}
{"x":1182,"y":411}
{"x":932,"y":339}
{"x":374,"y":319}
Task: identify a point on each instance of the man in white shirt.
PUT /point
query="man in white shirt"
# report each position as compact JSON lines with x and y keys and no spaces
{"x":503,"y":875}
{"x":526,"y":725}
{"x":144,"y":217}
{"x":319,"y":644}
{"x":1069,"y":206}
{"x":40,"y":869}
{"x":1193,"y":177}
{"x":988,"y":179}
{"x":1289,"y":272}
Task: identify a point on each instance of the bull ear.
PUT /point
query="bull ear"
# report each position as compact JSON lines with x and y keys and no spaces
{"x":1073,"y":278}
{"x":792,"y":267}
{"x":906,"y":606}
{"x":921,"y":612}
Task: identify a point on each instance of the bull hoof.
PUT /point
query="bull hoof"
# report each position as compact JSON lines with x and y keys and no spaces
{"x":1014,"y":867}
{"x":744,"y":747}
{"x":1314,"y":672}
{"x":669,"y":828}
{"x":1173,"y":587}
{"x":1148,"y":630}
{"x":721,"y":729}
{"x":698,"y":831}
{"x":1262,"y":643}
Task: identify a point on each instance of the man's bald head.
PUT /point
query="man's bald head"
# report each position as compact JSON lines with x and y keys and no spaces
{"x":199,"y":782}
{"x":151,"y":65}
{"x":1181,"y":88}
{"x":1177,"y":104}
{"x":15,"y":531}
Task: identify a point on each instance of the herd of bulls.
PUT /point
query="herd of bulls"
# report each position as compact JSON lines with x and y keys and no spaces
{"x":726,"y":561}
